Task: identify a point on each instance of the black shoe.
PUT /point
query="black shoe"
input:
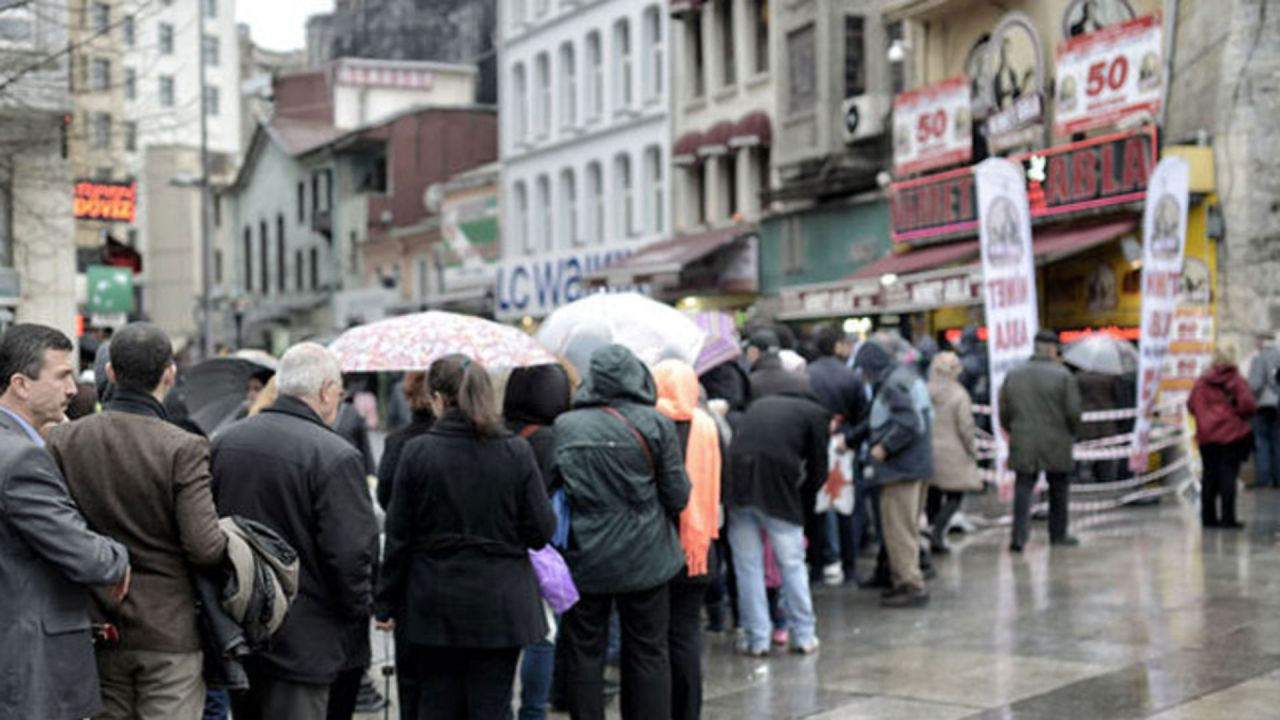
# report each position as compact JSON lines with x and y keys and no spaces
{"x":876,"y":581}
{"x":906,"y":598}
{"x":929,"y":573}
{"x":1233,"y":525}
{"x":1015,"y":547}
{"x":1210,"y":524}
{"x":939,"y":547}
{"x":1066,"y":541}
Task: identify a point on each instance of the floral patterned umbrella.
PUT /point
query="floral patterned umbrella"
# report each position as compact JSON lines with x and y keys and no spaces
{"x":413,"y":342}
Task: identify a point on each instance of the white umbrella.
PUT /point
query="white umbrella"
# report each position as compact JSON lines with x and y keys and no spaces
{"x":1102,"y":354}
{"x":648,"y":328}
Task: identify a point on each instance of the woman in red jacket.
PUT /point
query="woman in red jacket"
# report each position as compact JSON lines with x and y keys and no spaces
{"x":1222,"y":404}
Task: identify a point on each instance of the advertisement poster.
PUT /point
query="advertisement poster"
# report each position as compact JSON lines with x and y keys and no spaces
{"x":1109,"y":75}
{"x":932,"y":126}
{"x":1009,"y":281}
{"x":1164,"y":235}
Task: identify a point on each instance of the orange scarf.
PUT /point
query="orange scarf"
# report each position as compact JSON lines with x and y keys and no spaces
{"x":699,"y":522}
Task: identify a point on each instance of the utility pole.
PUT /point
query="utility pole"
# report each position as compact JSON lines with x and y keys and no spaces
{"x":206,"y":247}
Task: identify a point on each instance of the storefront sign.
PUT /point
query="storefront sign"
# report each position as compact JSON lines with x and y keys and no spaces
{"x":1018,"y":125}
{"x":1107,"y":76}
{"x":391,"y":77}
{"x":1164,"y":233}
{"x":537,"y":286}
{"x":950,"y":287}
{"x":1103,"y":171}
{"x":112,"y":202}
{"x":932,"y":127}
{"x":1009,"y":279}
{"x":110,"y":290}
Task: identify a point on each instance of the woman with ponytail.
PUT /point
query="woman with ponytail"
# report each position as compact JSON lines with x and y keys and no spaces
{"x":469,"y":503}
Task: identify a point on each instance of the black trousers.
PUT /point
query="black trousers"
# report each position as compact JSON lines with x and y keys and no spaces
{"x":684,"y":642}
{"x":945,"y":507}
{"x":407,"y":688}
{"x":463,"y":683}
{"x":646,"y":667}
{"x":342,"y":694}
{"x":1059,"y":497}
{"x":1218,"y":483}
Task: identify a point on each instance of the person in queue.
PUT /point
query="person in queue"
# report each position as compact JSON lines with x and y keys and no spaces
{"x":1222,"y":403}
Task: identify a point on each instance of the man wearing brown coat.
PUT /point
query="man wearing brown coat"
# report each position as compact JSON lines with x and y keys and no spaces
{"x":145,"y":483}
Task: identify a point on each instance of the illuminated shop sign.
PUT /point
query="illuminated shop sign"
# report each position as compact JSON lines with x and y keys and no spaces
{"x":111,"y":202}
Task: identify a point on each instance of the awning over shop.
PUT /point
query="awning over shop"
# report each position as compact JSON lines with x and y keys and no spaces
{"x":685,"y":151}
{"x":918,"y":260}
{"x":661,"y":263}
{"x":755,"y":128}
{"x":716,"y":140}
{"x":1058,"y":244}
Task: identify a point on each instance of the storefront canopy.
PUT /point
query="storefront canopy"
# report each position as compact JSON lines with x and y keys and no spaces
{"x":661,"y":263}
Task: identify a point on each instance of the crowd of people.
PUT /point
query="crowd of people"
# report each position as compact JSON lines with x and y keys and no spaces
{"x":675,"y":504}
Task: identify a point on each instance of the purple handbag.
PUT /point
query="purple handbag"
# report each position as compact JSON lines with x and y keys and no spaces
{"x":554,"y":578}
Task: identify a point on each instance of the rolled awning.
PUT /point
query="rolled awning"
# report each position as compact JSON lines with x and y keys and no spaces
{"x":716,"y":140}
{"x":686,"y":148}
{"x":755,"y":128}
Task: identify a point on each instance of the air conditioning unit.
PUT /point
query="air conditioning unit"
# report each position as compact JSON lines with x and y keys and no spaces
{"x":864,"y":116}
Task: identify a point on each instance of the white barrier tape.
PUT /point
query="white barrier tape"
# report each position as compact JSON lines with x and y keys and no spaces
{"x":1096,"y":415}
{"x":990,"y":474}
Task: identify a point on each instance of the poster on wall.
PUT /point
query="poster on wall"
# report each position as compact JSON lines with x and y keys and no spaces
{"x":1009,"y":280}
{"x":1164,"y":240}
{"x":932,"y":126}
{"x":1110,"y":75}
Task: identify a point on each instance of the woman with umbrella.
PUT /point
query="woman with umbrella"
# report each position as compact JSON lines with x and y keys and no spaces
{"x":1101,"y":363}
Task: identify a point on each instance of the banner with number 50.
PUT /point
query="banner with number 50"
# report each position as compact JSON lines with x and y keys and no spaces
{"x":1109,"y":75}
{"x":932,"y":126}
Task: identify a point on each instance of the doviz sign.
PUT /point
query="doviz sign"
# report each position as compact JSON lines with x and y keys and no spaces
{"x":1103,"y":171}
{"x":1109,"y":75}
{"x":112,"y":202}
{"x":110,"y":290}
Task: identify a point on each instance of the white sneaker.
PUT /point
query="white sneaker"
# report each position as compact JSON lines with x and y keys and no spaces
{"x":833,"y":574}
{"x":807,"y":649}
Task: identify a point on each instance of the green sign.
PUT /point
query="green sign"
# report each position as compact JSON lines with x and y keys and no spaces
{"x":110,"y":289}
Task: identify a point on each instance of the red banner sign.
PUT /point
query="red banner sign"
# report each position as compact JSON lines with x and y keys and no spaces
{"x":112,"y":202}
{"x":1109,"y":75}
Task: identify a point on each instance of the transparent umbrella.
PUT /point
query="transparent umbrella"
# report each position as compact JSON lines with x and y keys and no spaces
{"x":1102,"y":354}
{"x":648,"y":328}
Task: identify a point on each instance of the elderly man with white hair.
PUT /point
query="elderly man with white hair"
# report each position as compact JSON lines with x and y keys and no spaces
{"x":287,"y":469}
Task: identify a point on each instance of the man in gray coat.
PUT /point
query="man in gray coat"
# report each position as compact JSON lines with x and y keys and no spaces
{"x":1040,"y":409}
{"x":47,"y":554}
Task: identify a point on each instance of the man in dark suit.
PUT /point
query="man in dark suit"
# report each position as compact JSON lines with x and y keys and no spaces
{"x":288,"y":469}
{"x":145,"y":482}
{"x":47,"y":553}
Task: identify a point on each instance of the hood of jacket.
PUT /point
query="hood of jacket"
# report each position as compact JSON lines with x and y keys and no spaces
{"x":1220,"y":374}
{"x":536,"y":395}
{"x":876,"y":361}
{"x":677,"y":389}
{"x":616,"y":374}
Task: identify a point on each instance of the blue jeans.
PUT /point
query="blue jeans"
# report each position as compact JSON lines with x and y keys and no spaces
{"x":1266,"y":439}
{"x":217,"y":705}
{"x":787,"y":540}
{"x":535,"y":679}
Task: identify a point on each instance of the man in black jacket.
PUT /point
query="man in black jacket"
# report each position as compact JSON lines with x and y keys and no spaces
{"x":768,"y":377}
{"x":287,"y":469}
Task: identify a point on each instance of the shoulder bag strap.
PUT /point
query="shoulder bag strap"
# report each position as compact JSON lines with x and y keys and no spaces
{"x":644,"y":444}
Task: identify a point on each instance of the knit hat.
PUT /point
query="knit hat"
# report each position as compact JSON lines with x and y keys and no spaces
{"x":873,"y":358}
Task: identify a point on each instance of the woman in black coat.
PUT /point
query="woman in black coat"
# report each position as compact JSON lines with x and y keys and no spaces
{"x":469,"y":503}
{"x":419,"y":400}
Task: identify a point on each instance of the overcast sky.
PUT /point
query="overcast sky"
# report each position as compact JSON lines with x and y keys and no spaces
{"x":279,"y":24}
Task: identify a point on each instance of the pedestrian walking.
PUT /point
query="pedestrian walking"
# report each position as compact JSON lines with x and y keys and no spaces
{"x":145,"y":482}
{"x":777,"y":462}
{"x":287,"y":469}
{"x":1266,"y":421}
{"x":535,"y":396}
{"x":1222,"y":403}
{"x":619,"y":461}
{"x":49,"y":558}
{"x":955,"y":451}
{"x":701,"y":448}
{"x":901,"y":459}
{"x":1040,"y":410}
{"x":469,"y":504}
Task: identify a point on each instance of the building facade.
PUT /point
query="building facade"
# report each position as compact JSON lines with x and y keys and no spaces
{"x":586,"y":137}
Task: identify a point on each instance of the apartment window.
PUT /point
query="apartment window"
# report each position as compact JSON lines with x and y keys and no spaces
{"x":166,"y":38}
{"x":542,"y":101}
{"x":101,"y":129}
{"x":100,"y":74}
{"x":299,"y":269}
{"x":520,"y":218}
{"x":101,"y":17}
{"x":569,"y":206}
{"x":652,"y":54}
{"x":422,"y":274}
{"x":302,"y":202}
{"x":802,"y":70}
{"x":595,"y":201}
{"x":568,"y":88}
{"x":217,"y":267}
{"x":729,"y":182}
{"x":697,"y":176}
{"x":764,"y":173}
{"x":655,"y":189}
{"x":210,"y":50}
{"x":211,"y":101}
{"x":542,"y":213}
{"x":131,"y":136}
{"x":130,"y":84}
{"x":793,"y":250}
{"x":622,"y":90}
{"x":693,"y":31}
{"x":315,"y":269}
{"x":855,"y":58}
{"x":724,"y":29}
{"x":217,"y":208}
{"x":622,"y":180}
{"x":211,"y":8}
{"x":248,"y":259}
{"x":280,"y":273}
{"x":166,"y":90}
{"x":595,"y":77}
{"x":262,"y":257}
{"x":130,"y":32}
{"x":520,"y":90}
{"x":760,"y":19}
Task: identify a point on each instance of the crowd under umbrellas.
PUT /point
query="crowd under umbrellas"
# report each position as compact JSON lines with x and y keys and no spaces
{"x":630,"y":476}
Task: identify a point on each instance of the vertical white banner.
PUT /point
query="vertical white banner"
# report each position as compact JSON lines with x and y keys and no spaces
{"x":1009,"y":281}
{"x":1164,"y":242}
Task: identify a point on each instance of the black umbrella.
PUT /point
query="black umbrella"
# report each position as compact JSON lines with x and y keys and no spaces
{"x":215,"y":389}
